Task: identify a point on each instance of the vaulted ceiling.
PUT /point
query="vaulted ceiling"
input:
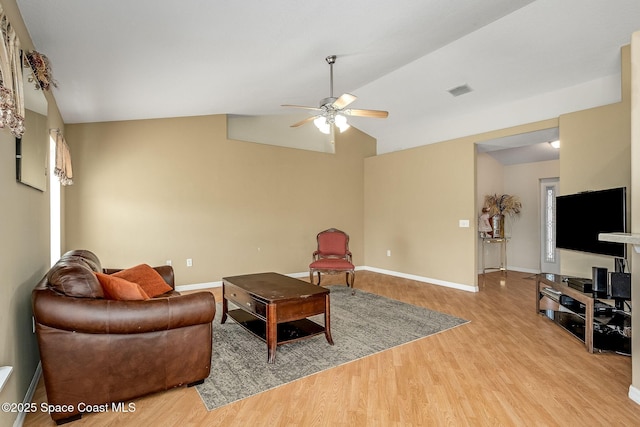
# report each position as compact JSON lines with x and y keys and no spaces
{"x":117,"y":60}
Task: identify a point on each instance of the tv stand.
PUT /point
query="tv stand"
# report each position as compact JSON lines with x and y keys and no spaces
{"x":592,"y":321}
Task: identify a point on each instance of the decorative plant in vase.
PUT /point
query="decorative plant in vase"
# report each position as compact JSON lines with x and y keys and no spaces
{"x":498,"y":206}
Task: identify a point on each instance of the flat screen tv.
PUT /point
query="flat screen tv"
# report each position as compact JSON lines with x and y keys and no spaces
{"x":581,"y":217}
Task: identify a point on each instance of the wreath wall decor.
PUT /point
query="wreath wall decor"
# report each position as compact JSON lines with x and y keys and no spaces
{"x":41,"y":69}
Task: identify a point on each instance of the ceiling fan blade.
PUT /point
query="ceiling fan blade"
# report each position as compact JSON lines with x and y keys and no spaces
{"x":367,"y":113}
{"x":301,"y":106}
{"x":344,"y":100}
{"x":301,"y":122}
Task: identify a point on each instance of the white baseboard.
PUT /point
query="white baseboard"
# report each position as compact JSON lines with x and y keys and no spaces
{"x":524,"y":270}
{"x":299,"y":275}
{"x":459,"y":286}
{"x":28,"y":397}
{"x":462,"y":287}
{"x":199,"y":286}
{"x":518,"y":269}
{"x":634,"y":394}
{"x":217,"y":284}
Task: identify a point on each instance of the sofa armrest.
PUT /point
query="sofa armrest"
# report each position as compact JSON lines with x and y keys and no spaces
{"x":100,"y":316}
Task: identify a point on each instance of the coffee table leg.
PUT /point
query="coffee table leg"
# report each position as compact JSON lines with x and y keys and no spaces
{"x":327,"y":320}
{"x":224,"y":310}
{"x":272,"y":332}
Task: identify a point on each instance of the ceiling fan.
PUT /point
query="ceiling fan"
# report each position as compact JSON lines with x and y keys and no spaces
{"x":332,"y":111}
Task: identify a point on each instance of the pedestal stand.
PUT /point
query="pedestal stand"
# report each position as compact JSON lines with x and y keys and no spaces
{"x":502,"y":241}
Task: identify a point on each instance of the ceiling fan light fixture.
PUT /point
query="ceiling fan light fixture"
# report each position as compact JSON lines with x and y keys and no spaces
{"x":332,"y":110}
{"x":341,"y":122}
{"x":322,"y":124}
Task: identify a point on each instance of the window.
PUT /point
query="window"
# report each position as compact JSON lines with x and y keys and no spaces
{"x":54,"y":204}
{"x":549,"y":232}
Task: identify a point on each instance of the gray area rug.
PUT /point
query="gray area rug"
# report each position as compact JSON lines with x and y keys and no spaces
{"x":361,"y":325}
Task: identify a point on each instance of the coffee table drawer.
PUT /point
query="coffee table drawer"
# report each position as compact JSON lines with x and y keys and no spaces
{"x":243,"y":299}
{"x":299,"y":309}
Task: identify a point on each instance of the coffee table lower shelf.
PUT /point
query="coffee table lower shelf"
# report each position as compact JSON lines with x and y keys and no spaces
{"x":287,"y":331}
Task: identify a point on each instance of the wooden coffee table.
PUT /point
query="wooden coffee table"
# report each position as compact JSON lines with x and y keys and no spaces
{"x":275,"y":308}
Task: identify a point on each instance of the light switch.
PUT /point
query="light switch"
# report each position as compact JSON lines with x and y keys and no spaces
{"x":464,"y":223}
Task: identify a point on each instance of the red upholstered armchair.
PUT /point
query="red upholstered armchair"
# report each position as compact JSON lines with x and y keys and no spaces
{"x":332,"y":256}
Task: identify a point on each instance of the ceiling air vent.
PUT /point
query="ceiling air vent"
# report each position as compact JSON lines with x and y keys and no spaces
{"x":460,"y":90}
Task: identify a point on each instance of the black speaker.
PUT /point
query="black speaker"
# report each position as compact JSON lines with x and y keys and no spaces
{"x":620,"y":286}
{"x":599,"y":280}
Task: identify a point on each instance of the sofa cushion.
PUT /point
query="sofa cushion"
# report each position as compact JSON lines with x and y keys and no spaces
{"x":329,"y":263}
{"x":74,"y":279}
{"x":149,"y":280}
{"x":120,"y":289}
{"x":86,"y":256}
{"x":80,"y":260}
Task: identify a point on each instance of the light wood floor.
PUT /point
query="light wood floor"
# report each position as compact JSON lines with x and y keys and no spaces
{"x":507,"y":367}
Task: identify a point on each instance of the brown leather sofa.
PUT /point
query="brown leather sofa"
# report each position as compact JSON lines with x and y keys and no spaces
{"x":96,"y":351}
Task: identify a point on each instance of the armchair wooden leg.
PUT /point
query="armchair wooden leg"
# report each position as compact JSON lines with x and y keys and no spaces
{"x":351,"y":277}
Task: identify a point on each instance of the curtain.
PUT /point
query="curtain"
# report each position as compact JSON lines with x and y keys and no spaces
{"x":11,"y":95}
{"x":62,"y":169}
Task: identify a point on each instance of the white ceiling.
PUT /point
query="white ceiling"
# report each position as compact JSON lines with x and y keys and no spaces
{"x":123,"y":60}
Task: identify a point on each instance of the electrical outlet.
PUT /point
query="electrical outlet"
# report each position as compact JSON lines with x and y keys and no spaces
{"x":168,"y":262}
{"x":189,"y":262}
{"x":388,"y":252}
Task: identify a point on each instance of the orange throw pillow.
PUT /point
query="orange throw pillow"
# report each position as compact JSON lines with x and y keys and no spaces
{"x":120,"y":289}
{"x":149,"y":280}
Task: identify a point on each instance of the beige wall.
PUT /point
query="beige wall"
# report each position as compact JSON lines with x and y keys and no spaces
{"x":415,"y":198}
{"x":24,"y":252}
{"x":413,"y":201}
{"x":24,"y":258}
{"x":595,"y":154}
{"x":152,"y":190}
{"x":490,"y":179}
